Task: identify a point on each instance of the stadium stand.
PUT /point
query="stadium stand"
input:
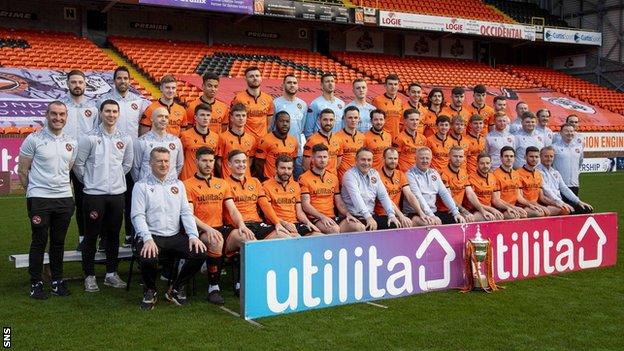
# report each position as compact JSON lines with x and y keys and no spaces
{"x":430,"y":71}
{"x":575,"y":87}
{"x":474,"y":9}
{"x":159,"y":57}
{"x":524,"y":11}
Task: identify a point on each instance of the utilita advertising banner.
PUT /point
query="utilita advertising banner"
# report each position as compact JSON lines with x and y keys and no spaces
{"x":234,"y":6}
{"x":455,"y":25}
{"x":293,"y":275}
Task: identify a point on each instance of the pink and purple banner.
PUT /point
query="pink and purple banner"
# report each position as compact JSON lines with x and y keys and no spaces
{"x":234,"y":6}
{"x":291,"y":275}
{"x":9,"y":153}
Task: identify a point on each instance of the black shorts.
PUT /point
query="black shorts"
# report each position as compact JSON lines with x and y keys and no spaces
{"x":382,"y":222}
{"x":260,"y":230}
{"x":445,"y":217}
{"x":336,"y":219}
{"x":225,"y":231}
{"x":302,"y":229}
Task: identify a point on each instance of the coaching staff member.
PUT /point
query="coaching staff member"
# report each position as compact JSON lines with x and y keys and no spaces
{"x":104,"y":158}
{"x":46,"y":157}
{"x":159,"y":205}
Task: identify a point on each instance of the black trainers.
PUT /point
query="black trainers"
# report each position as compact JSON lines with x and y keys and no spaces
{"x":36,"y":291}
{"x":176,"y":297}
{"x":59,"y":288}
{"x":149,"y":300}
{"x":216,"y":298}
{"x":102,"y":245}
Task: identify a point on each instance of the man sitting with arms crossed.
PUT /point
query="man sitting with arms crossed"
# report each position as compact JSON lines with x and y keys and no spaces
{"x":320,"y":191}
{"x":456,"y":181}
{"x":397,"y":186}
{"x":484,"y":184}
{"x":555,"y":188}
{"x":285,"y":197}
{"x":509,"y":198}
{"x":426,"y":184}
{"x":361,"y":186}
{"x":208,"y":196}
{"x":159,"y":205}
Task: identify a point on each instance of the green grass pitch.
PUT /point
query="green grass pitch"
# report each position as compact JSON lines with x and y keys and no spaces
{"x":574,"y":311}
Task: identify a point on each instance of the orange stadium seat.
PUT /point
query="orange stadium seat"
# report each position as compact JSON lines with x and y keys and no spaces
{"x":472,"y":9}
{"x":575,"y":87}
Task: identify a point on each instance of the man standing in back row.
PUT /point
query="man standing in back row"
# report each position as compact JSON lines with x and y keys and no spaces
{"x":258,"y":104}
{"x":326,"y":101}
{"x":391,"y":104}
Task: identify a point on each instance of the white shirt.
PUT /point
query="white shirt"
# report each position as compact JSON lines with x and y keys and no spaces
{"x":525,"y":139}
{"x":364,"y":125}
{"x":131,"y":108}
{"x":159,"y":206}
{"x":144,"y":146}
{"x":103,"y":161}
{"x":52,"y":156}
{"x":314,"y":109}
{"x":495,"y":141}
{"x":578,"y":138}
{"x":554,"y":187}
{"x":426,"y":186}
{"x":360,"y":190}
{"x":568,"y":161}
{"x":81,"y":118}
{"x":547,"y":135}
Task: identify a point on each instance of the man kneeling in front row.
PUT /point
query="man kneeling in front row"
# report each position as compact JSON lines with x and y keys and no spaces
{"x":159,"y":204}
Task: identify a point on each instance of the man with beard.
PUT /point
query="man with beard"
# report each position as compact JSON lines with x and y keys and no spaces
{"x":531,"y":183}
{"x":360,"y":90}
{"x":274,"y":144}
{"x":327,"y":100}
{"x":398,"y":189}
{"x":526,"y":137}
{"x":297,"y":109}
{"x":259,"y":105}
{"x":324,"y":136}
{"x":569,"y":157}
{"x":521,"y":108}
{"x":131,"y":108}
{"x":320,"y":196}
{"x":543,"y":117}
{"x":376,"y":139}
{"x":177,"y":114}
{"x":484,"y":184}
{"x":284,"y":194}
{"x":208,"y":197}
{"x":82,"y":116}
{"x":435,"y":104}
{"x":391,"y":104}
{"x":219,"y":110}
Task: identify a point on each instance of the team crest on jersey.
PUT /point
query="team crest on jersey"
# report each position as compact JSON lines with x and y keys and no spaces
{"x":172,"y":146}
{"x":374,"y":180}
{"x":340,"y":106}
{"x":246,"y":142}
{"x":292,"y":190}
{"x":577,"y":151}
{"x":396,"y":181}
{"x":36,"y":219}
{"x":93,"y":215}
{"x":88,"y":113}
{"x":69,"y":147}
{"x":120,"y":145}
{"x":299,"y":106}
{"x":539,"y":138}
{"x":250,"y":187}
{"x":217,"y":186}
{"x":174,"y":189}
{"x":434,"y":178}
{"x":509,"y":139}
{"x":134,"y":106}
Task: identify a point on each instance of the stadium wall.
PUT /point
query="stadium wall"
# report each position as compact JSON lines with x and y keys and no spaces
{"x":40,"y":15}
{"x":147,"y":23}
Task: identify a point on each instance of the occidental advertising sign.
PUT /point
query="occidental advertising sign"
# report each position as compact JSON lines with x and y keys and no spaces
{"x":292,"y":275}
{"x":572,"y":36}
{"x":455,"y":25}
